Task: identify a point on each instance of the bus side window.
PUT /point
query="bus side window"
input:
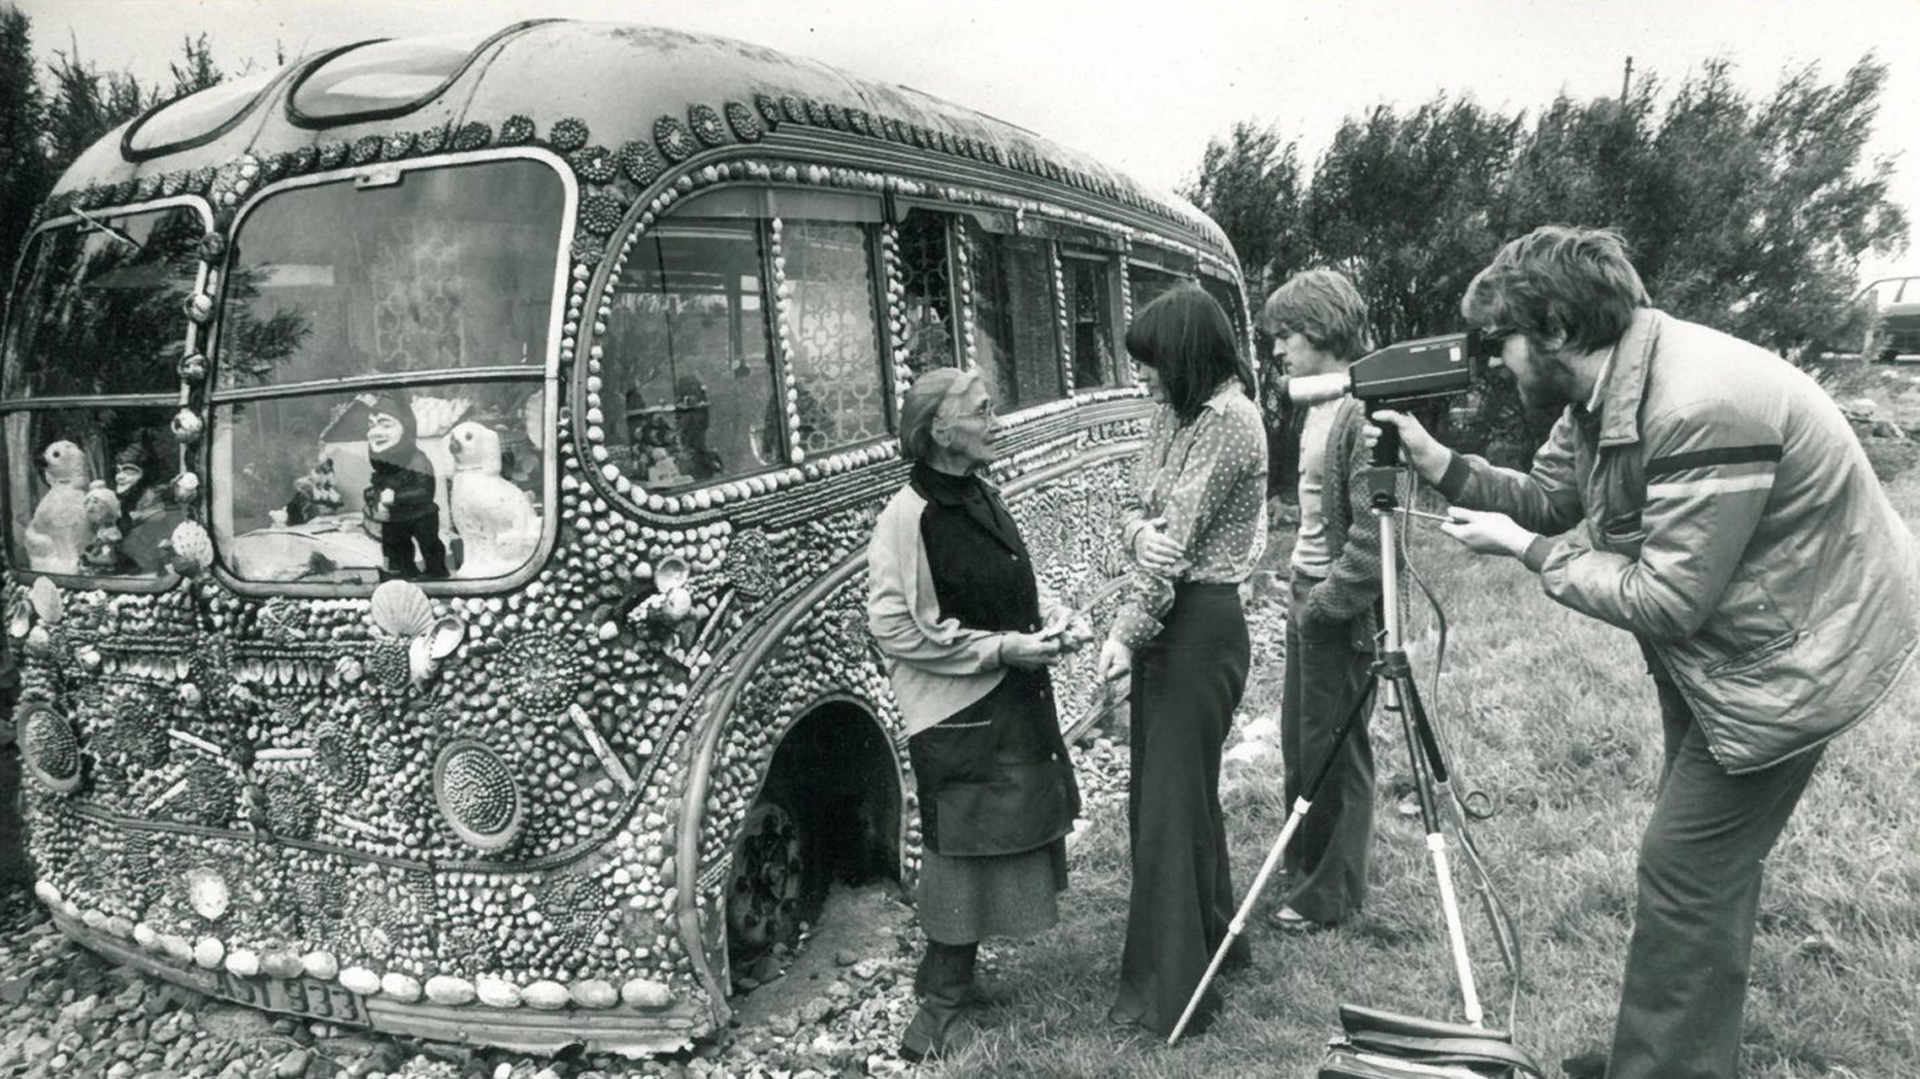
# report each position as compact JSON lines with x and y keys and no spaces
{"x":1144,"y":283}
{"x":1019,"y":352}
{"x":1091,"y":281}
{"x":1228,"y":295}
{"x":840,"y":379}
{"x":690,"y":377}
{"x":926,"y":273}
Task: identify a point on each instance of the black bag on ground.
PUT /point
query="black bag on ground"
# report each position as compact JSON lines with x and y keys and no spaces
{"x":1386,"y":1045}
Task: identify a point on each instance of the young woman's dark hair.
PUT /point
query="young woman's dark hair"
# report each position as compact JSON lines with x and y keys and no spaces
{"x":1185,"y":336}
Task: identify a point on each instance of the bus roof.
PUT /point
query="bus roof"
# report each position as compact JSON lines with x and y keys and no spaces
{"x":605,"y":85}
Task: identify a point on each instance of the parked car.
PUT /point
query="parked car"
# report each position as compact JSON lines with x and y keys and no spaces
{"x":1893,"y":328}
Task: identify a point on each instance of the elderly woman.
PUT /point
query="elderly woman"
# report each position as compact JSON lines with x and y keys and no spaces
{"x":1195,"y":523}
{"x":954,"y":604}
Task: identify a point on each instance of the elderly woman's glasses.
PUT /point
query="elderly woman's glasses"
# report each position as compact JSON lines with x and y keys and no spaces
{"x":986,"y":410}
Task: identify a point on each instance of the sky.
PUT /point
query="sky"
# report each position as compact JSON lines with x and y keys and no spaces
{"x":1141,"y":85}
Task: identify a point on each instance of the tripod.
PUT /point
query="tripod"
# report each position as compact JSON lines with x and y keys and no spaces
{"x":1393,"y":673}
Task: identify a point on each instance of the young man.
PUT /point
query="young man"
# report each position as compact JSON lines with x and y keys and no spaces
{"x":1733,"y":524}
{"x":1319,"y":325}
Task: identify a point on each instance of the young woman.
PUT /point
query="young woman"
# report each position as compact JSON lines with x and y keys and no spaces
{"x":953,"y":602}
{"x":1195,"y":523}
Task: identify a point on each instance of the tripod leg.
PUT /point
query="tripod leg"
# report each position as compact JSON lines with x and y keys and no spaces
{"x":1421,"y":745}
{"x":1300,"y":807}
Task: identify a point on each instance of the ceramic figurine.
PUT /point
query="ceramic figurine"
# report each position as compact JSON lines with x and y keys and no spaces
{"x":314,"y":494}
{"x":102,"y":507}
{"x":400,"y":498}
{"x":495,"y":519}
{"x":59,"y":531}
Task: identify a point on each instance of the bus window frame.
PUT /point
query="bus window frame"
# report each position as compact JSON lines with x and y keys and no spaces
{"x":769,"y":325}
{"x":1164,"y":259}
{"x":547,"y":375}
{"x":728,"y":201}
{"x":168,"y":577}
{"x":898,"y":210}
{"x":1114,"y":379}
{"x":1243,"y":328}
{"x":878,"y":281}
{"x":1056,"y":304}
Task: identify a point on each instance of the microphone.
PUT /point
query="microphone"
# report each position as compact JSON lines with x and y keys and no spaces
{"x":1313,"y":389}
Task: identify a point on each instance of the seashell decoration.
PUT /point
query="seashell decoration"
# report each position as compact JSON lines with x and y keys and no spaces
{"x":444,"y":637}
{"x":47,"y":602}
{"x":421,"y":666}
{"x":207,"y":893}
{"x":401,"y":609}
{"x":478,"y":795}
{"x":191,"y":547}
{"x":671,"y":573}
{"x":20,"y":615}
{"x":187,"y":426}
{"x":48,"y":747}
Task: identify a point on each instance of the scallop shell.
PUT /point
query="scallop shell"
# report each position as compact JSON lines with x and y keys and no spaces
{"x":670,"y":573}
{"x":446,"y":635}
{"x":47,"y":601}
{"x":401,"y":609}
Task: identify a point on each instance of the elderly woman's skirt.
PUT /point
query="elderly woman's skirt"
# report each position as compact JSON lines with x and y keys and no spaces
{"x":962,"y":900}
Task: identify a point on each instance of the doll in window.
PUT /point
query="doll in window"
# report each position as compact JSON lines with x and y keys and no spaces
{"x":400,"y":497}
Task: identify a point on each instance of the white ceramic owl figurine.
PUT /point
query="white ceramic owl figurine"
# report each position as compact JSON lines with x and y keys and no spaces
{"x":60,"y":530}
{"x":495,"y":519}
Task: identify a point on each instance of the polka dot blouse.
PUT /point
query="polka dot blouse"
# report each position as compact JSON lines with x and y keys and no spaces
{"x":1208,"y":480}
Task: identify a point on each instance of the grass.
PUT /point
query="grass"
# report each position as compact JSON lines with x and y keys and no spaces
{"x":1553,"y":714}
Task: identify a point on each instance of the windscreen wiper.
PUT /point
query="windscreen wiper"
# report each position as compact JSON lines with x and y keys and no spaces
{"x":111,"y":230}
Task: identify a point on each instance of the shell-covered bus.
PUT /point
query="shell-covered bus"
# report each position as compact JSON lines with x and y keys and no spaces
{"x":438,"y":474}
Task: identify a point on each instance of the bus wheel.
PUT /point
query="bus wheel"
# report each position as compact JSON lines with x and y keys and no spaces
{"x":772,"y":881}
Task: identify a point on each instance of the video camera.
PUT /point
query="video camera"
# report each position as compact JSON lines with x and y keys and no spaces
{"x":1401,"y":376}
{"x":1401,"y":373}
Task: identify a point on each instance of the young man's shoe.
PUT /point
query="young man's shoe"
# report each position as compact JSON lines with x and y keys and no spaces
{"x":1288,"y":920}
{"x":1585,"y":1066}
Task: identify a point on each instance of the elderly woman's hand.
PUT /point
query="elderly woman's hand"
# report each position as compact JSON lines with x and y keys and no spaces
{"x":1073,"y":632}
{"x":1029,"y":651}
{"x":1116,"y":661}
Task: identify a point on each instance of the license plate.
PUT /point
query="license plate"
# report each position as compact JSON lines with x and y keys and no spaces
{"x":300,"y":996}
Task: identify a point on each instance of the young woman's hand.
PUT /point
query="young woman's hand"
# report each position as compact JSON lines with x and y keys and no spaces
{"x":1116,"y":661}
{"x":1156,"y":552}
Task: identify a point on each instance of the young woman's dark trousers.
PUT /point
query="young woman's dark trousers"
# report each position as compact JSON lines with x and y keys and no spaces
{"x":1186,"y":683}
